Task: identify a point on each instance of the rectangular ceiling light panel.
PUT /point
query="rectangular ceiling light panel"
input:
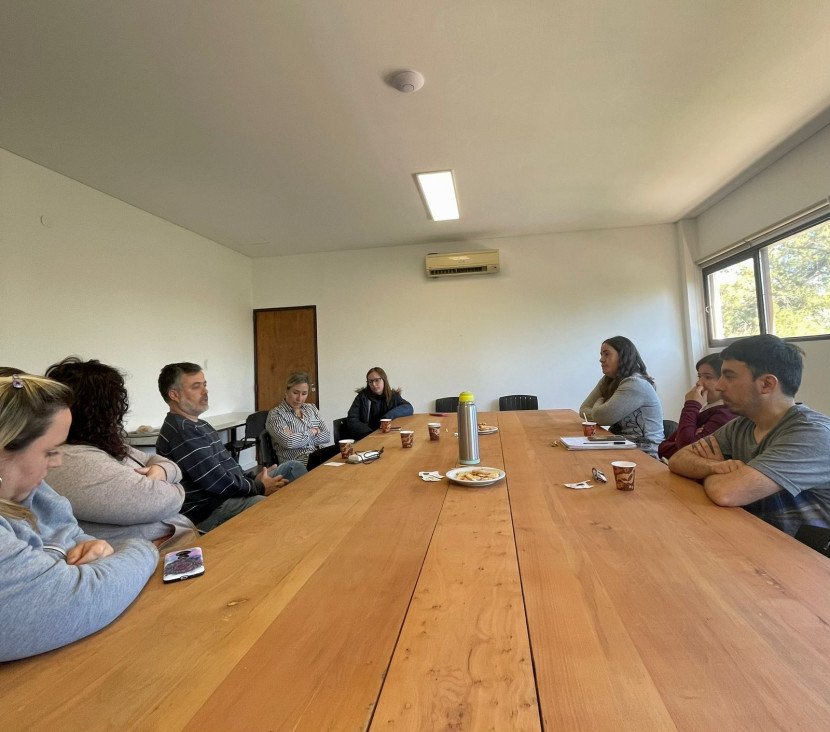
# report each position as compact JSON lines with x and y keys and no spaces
{"x":438,"y":191}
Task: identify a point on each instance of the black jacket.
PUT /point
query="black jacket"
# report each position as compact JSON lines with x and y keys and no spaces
{"x":357,"y":420}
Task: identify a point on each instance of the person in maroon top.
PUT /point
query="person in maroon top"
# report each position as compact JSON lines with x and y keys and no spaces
{"x":704,"y":410}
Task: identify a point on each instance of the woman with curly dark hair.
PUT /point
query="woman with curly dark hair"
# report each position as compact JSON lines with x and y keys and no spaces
{"x":624,"y":397}
{"x":116,"y":491}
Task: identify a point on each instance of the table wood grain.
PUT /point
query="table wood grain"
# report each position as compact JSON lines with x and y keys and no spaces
{"x":362,"y":598}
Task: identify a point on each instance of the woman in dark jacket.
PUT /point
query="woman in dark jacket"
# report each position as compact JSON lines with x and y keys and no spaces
{"x":374,"y":402}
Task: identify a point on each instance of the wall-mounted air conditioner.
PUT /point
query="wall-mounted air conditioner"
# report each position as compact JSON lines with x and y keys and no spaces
{"x":453,"y":264}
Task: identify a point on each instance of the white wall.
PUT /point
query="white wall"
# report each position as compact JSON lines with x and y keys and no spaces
{"x":796,"y":181}
{"x":534,"y":328}
{"x":101,"y":279}
{"x":104,"y":280}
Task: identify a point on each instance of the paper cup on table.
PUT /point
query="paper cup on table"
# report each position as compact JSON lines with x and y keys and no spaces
{"x":385,"y":425}
{"x":434,"y":431}
{"x":624,"y":474}
{"x":407,"y":437}
{"x":589,"y":428}
{"x":346,"y":448}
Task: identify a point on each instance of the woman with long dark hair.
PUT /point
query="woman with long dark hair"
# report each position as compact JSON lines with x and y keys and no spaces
{"x":624,"y":397}
{"x":57,"y":584}
{"x":374,"y":402}
{"x":116,"y":491}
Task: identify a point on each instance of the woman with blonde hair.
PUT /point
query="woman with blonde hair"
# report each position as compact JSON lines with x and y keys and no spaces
{"x":57,"y":584}
{"x":296,"y":428}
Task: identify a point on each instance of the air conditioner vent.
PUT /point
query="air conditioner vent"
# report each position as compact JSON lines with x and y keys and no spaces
{"x":454,"y":264}
{"x":456,"y":270}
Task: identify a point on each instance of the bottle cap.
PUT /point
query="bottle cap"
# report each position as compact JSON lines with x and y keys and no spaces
{"x":466,"y":396}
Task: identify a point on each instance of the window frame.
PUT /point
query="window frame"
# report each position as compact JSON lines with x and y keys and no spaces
{"x":756,"y":253}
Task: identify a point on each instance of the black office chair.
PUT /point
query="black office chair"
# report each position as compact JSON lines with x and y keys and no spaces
{"x":669,"y":427}
{"x":516,"y":402}
{"x":253,"y":427}
{"x":339,"y":431}
{"x":267,"y":453}
{"x":446,"y":404}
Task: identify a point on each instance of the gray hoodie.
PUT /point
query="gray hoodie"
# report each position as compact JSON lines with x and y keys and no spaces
{"x":46,"y":603}
{"x":633,"y":411}
{"x":113,"y":502}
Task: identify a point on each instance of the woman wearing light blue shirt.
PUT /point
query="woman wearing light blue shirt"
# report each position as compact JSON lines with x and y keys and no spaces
{"x":57,"y":584}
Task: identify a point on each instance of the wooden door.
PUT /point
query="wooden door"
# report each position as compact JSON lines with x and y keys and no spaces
{"x":285,"y":340}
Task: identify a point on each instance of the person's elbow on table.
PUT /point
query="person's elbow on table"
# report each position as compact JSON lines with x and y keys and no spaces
{"x":739,"y":487}
{"x":721,"y":492}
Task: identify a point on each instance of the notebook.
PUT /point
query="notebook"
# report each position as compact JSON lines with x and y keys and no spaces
{"x":583,"y":443}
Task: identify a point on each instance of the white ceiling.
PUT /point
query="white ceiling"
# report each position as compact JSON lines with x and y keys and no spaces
{"x":266,"y":125}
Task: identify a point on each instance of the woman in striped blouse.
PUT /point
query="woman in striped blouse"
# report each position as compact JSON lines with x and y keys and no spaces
{"x":295,"y":427}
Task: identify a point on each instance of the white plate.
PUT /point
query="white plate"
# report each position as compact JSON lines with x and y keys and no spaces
{"x":452,"y":475}
{"x":491,"y":431}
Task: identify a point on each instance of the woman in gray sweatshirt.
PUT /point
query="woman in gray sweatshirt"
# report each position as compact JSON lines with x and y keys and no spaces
{"x":57,"y":584}
{"x":624,"y":397}
{"x":116,"y":491}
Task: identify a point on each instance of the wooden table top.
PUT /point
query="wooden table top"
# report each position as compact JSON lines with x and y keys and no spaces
{"x":362,"y":598}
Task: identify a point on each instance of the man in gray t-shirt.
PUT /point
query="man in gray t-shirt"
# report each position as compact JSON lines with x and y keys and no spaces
{"x":774,"y":460}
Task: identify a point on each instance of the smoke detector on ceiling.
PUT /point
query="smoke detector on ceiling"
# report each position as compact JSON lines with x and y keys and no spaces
{"x":407,"y":81}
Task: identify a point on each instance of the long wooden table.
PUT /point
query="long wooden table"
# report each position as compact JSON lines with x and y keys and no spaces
{"x":362,"y":598}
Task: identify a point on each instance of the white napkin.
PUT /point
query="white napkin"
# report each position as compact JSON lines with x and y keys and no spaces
{"x":431,"y":476}
{"x":579,"y":486}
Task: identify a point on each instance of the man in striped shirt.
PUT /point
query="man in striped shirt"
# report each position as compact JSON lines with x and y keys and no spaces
{"x":215,"y":487}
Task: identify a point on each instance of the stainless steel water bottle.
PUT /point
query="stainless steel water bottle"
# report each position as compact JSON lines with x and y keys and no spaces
{"x":467,"y":430}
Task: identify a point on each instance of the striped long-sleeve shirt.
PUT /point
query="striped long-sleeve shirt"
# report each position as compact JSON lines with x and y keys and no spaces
{"x":210,"y":474}
{"x":292,"y":435}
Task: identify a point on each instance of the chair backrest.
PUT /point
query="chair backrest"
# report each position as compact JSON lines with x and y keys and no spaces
{"x":515,"y":402}
{"x":446,"y":404}
{"x":339,"y":430}
{"x":669,"y":427}
{"x":255,"y":424}
{"x":267,"y":453}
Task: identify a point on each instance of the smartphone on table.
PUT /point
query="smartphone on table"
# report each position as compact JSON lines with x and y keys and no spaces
{"x":183,"y":564}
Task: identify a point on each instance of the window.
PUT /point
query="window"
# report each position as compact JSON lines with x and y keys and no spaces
{"x":779,"y":286}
